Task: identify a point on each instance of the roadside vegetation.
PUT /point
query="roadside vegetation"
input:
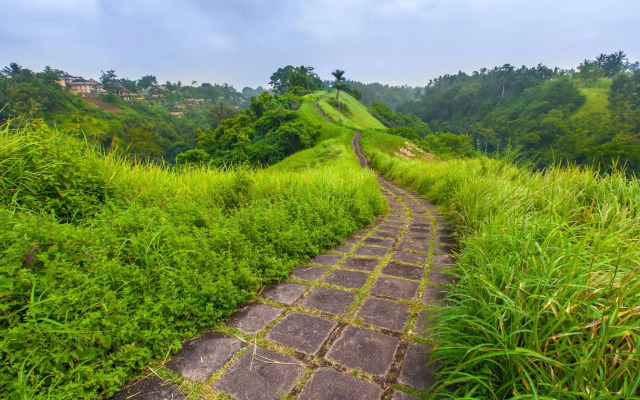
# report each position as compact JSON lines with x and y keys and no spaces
{"x":548,"y":304}
{"x":106,"y":265}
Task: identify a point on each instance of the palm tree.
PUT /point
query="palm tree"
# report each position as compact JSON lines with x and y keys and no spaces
{"x":339,"y":75}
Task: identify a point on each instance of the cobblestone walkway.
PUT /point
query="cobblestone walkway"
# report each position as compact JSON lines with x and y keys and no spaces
{"x":342,"y":327}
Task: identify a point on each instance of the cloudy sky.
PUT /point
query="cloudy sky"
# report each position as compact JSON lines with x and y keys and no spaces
{"x":243,"y":41}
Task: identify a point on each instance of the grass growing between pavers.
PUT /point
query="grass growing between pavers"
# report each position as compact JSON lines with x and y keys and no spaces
{"x":547,"y":305}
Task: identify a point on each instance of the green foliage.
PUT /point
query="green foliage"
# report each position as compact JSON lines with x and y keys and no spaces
{"x":154,"y":256}
{"x":551,"y":116}
{"x":341,"y":106}
{"x":448,"y":145}
{"x":288,"y":77}
{"x":144,"y":128}
{"x":392,"y":96}
{"x":263,"y":134}
{"x":393,"y":119}
{"x":358,"y":119}
{"x":547,"y":305}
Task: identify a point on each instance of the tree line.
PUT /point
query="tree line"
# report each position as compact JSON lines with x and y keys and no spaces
{"x":585,"y":115}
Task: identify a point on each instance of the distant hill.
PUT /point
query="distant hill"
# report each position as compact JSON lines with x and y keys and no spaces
{"x":150,"y":123}
{"x":587,"y":116}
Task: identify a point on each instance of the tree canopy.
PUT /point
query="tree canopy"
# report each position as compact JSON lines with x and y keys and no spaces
{"x":289,"y":77}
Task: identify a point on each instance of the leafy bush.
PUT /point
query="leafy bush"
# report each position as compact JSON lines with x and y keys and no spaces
{"x":154,"y":255}
{"x":265,"y":133}
{"x":341,"y":106}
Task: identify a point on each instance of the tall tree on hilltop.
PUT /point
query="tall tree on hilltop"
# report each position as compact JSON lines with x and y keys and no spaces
{"x":339,"y":83}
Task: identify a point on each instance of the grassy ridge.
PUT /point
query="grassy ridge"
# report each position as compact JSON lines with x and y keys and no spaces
{"x":105,"y":266}
{"x":548,"y":303}
{"x":357,"y":117}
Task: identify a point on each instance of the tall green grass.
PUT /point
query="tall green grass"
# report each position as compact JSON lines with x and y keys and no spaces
{"x":358,"y":117}
{"x":548,"y":302}
{"x":105,"y":266}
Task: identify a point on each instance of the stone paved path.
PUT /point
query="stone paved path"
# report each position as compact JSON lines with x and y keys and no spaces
{"x":342,"y":327}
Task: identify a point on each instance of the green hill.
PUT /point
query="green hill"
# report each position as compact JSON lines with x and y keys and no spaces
{"x":145,"y":128}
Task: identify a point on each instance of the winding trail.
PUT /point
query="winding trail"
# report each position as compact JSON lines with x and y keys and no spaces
{"x":343,"y":327}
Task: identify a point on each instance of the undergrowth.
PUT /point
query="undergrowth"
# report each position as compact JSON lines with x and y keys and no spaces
{"x":548,"y":302}
{"x":106,"y":266}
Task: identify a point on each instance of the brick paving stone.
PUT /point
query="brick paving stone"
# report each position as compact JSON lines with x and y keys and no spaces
{"x":424,"y":321}
{"x":348,"y":279}
{"x":202,"y":357}
{"x":443,"y":249}
{"x":446,"y":240}
{"x":390,"y":228}
{"x":414,"y":246}
{"x":414,"y":371}
{"x":403,"y":271}
{"x":419,"y":226}
{"x":395,"y":288}
{"x":302,"y":332}
{"x":327,"y":260}
{"x":285,"y":292}
{"x":308,"y":273}
{"x":267,"y":375}
{"x":371,"y":251}
{"x":343,"y":248}
{"x":395,"y":222}
{"x":352,"y":240}
{"x":434,"y":295}
{"x":421,"y":323}
{"x":378,"y":242}
{"x":440,"y":261}
{"x":398,"y":395}
{"x":439,"y":276}
{"x":367,"y":350}
{"x":418,"y":237}
{"x":364,"y":264}
{"x":327,"y":383}
{"x":413,"y":258}
{"x":254,"y":317}
{"x":419,"y":230}
{"x":384,"y":235}
{"x":331,"y":301}
{"x":384,"y":314}
{"x":444,"y":232}
{"x":361,"y":233}
{"x":152,"y":388}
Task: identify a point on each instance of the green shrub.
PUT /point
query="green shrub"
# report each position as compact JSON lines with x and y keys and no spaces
{"x":157,"y":255}
{"x":340,"y":106}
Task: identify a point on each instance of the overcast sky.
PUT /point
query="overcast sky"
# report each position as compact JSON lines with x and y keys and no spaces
{"x":243,"y":41}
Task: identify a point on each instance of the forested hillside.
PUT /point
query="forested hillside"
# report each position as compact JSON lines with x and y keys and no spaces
{"x":132,"y":115}
{"x":587,"y":116}
{"x":392,"y":96}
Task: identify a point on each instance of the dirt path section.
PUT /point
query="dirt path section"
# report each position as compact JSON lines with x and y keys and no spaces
{"x":317,"y":107}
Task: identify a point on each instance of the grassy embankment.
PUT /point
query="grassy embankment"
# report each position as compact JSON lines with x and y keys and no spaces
{"x":106,"y":266}
{"x":548,"y":302}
